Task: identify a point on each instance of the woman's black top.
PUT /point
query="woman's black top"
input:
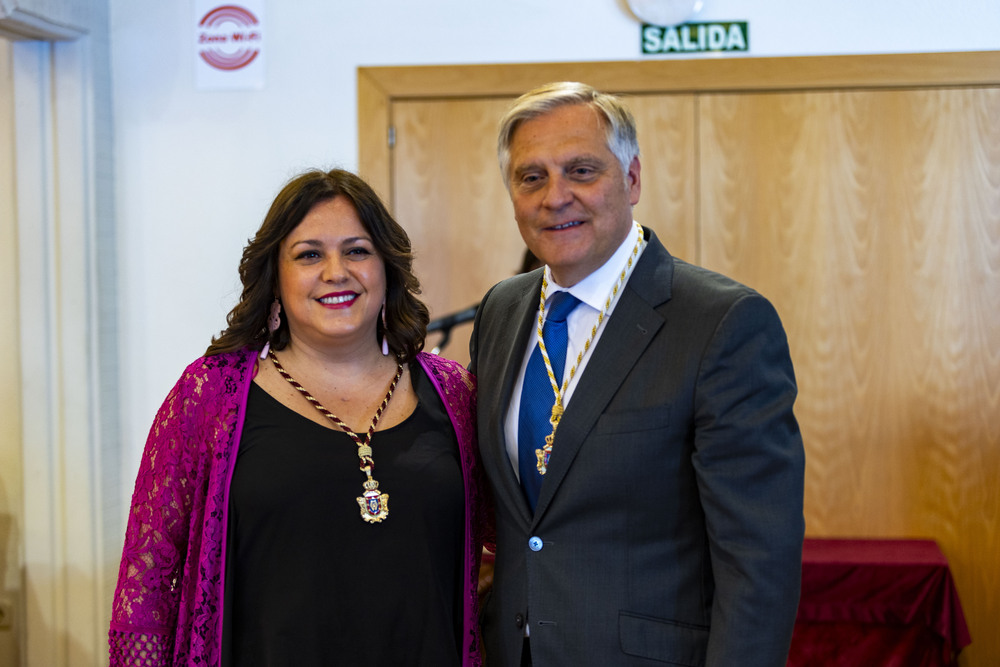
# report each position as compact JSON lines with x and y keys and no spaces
{"x":308,"y":581}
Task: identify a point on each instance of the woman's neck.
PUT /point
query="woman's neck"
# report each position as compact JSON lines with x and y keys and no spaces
{"x":359,"y":358}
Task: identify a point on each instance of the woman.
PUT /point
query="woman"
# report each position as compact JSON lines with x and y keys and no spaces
{"x":261,"y":529}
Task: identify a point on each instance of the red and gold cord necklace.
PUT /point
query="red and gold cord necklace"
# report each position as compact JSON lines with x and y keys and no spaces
{"x":374,"y":504}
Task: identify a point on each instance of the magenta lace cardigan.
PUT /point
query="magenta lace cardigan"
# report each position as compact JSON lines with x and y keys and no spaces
{"x":168,"y":604}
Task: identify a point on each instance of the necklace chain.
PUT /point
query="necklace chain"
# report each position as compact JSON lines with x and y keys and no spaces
{"x":557,"y":407}
{"x":374,"y":505}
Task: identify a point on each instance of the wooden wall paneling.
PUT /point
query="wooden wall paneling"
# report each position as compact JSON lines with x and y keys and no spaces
{"x":379,"y":87}
{"x":787,"y":208}
{"x":954,"y":264}
{"x":667,"y":143}
{"x":871,"y":219}
{"x":861,"y":194}
{"x":449,"y":196}
{"x":374,"y":158}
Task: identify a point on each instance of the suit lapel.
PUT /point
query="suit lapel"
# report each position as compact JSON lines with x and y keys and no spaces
{"x":518,"y":309}
{"x":626,"y":336}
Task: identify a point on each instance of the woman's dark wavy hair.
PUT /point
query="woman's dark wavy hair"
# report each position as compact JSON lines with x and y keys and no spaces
{"x":406,"y":316}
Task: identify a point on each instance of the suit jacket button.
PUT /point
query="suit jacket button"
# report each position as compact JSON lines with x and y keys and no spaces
{"x":519,"y":620}
{"x":535,"y":543}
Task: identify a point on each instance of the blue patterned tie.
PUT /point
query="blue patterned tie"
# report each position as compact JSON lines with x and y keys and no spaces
{"x":537,"y":397}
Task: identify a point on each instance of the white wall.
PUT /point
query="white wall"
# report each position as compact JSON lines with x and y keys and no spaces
{"x":197,"y":170}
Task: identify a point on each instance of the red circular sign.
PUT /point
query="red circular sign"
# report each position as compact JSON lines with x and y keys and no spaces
{"x":229,"y":37}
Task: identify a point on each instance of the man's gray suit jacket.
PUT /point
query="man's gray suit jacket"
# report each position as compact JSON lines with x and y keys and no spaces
{"x":670,"y":521}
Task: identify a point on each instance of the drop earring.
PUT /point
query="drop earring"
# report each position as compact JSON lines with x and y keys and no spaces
{"x":273,"y":322}
{"x":385,"y":343}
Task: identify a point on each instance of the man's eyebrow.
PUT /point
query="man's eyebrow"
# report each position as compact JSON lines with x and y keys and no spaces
{"x":585,"y":159}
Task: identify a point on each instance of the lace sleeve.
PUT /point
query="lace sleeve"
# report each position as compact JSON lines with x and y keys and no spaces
{"x":168,"y":489}
{"x":482,"y":500}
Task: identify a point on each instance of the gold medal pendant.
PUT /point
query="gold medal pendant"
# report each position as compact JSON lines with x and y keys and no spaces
{"x":545,"y":452}
{"x":374,"y":505}
{"x":543,"y":455}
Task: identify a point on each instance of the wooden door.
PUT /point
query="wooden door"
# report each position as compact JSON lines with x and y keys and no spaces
{"x":860,"y":194}
{"x":449,"y":197}
{"x":872,"y":221}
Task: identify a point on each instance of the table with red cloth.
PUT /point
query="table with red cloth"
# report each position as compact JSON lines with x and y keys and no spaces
{"x":877,"y":602}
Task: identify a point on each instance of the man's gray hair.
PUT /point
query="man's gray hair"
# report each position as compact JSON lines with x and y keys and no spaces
{"x":618,"y":121}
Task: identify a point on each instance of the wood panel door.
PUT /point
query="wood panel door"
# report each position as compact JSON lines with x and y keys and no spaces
{"x":860,"y":194}
{"x":872,"y":221}
{"x":448,"y":195}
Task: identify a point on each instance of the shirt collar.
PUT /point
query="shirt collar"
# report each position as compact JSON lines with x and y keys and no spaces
{"x":594,"y":289}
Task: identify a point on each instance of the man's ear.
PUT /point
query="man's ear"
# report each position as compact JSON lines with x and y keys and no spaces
{"x":633,"y":180}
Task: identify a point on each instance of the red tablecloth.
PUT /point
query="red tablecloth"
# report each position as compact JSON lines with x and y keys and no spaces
{"x":877,"y":602}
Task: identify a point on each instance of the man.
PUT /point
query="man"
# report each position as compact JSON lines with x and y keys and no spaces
{"x":650,"y":511}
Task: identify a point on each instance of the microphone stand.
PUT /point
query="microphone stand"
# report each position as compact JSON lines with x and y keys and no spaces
{"x":446,"y":323}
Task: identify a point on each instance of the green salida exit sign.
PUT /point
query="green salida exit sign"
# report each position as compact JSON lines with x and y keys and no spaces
{"x":696,"y":37}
